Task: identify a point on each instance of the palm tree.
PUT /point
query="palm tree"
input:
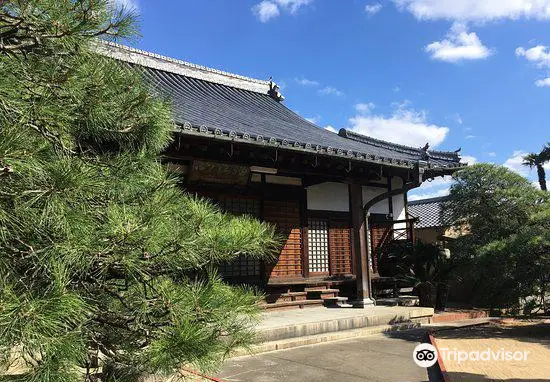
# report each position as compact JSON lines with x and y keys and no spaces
{"x":538,"y":161}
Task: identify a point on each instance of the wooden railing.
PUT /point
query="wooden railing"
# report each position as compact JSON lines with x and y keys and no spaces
{"x":383,"y":234}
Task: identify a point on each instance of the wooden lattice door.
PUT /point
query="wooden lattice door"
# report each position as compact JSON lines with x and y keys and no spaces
{"x":329,"y":247}
{"x":318,"y":247}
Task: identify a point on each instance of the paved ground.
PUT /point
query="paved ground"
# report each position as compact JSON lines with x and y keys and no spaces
{"x":373,"y":358}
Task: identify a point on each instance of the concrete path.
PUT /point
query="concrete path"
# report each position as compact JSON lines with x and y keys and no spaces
{"x":374,"y":358}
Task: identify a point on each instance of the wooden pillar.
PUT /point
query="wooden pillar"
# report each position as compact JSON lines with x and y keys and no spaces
{"x":360,"y":245}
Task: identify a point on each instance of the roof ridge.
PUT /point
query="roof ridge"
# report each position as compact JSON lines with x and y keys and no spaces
{"x":172,"y":65}
{"x":382,"y":143}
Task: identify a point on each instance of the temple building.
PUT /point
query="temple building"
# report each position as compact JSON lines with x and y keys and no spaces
{"x":337,"y":199}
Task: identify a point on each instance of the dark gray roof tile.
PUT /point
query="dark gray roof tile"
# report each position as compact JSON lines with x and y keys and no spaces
{"x":231,"y":103}
{"x":429,"y":212}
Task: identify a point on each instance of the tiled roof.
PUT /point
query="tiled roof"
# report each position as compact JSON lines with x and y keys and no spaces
{"x":429,"y":212}
{"x":222,"y":105}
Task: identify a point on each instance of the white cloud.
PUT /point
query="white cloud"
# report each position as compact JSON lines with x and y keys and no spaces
{"x":293,"y":6}
{"x":458,"y":46}
{"x":514,"y":163}
{"x":329,"y":90}
{"x":543,"y":83}
{"x":364,"y":108}
{"x":396,"y":89}
{"x":468,"y":159}
{"x":372,"y":9}
{"x":315,"y":120}
{"x":476,"y":10}
{"x":492,"y":154}
{"x":539,"y":55}
{"x":439,"y":186}
{"x":331,"y":129}
{"x":470,"y":136}
{"x":439,"y":182}
{"x":458,"y":119}
{"x":266,"y":10}
{"x":270,"y":9}
{"x":415,"y":196}
{"x":306,"y":82}
{"x":405,"y":126}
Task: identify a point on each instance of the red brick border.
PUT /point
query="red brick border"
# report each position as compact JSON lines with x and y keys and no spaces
{"x":458,"y":316}
{"x":442,"y":368}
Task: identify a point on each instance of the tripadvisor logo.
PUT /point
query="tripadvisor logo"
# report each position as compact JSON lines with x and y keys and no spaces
{"x":425,"y":355}
{"x":486,"y":355}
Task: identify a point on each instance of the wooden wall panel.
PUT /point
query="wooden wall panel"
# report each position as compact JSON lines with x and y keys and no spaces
{"x":286,"y":216}
{"x":340,"y":248}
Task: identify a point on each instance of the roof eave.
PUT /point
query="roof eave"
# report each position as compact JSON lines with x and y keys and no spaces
{"x":443,"y":155}
{"x":327,"y":151}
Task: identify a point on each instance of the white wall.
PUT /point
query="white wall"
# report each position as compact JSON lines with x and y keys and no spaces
{"x":398,"y":202}
{"x":331,"y":196}
{"x":328,"y":196}
{"x":380,"y":207}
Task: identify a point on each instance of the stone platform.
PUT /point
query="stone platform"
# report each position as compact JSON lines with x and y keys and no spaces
{"x":291,"y":328}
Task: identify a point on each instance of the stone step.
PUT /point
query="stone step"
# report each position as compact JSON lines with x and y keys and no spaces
{"x":284,"y":297}
{"x":340,"y":302}
{"x":337,"y":298}
{"x":322,"y":293}
{"x":344,"y":319}
{"x":321,"y":290}
{"x":283,"y":305}
{"x":289,"y":343}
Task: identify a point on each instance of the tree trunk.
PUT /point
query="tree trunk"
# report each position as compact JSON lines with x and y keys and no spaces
{"x":542,"y":177}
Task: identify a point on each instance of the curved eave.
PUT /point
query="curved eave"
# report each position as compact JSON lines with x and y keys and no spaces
{"x":435,"y":154}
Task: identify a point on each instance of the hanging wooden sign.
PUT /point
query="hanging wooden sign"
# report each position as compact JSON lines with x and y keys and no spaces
{"x":215,"y":172}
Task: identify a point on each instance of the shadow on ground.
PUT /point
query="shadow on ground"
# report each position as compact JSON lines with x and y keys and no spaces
{"x":536,"y":332}
{"x":529,"y":331}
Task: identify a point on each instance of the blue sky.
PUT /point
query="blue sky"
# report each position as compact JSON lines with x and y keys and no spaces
{"x":456,"y":73}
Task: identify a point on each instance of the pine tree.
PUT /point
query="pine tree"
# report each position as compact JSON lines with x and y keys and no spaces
{"x":107,"y":269}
